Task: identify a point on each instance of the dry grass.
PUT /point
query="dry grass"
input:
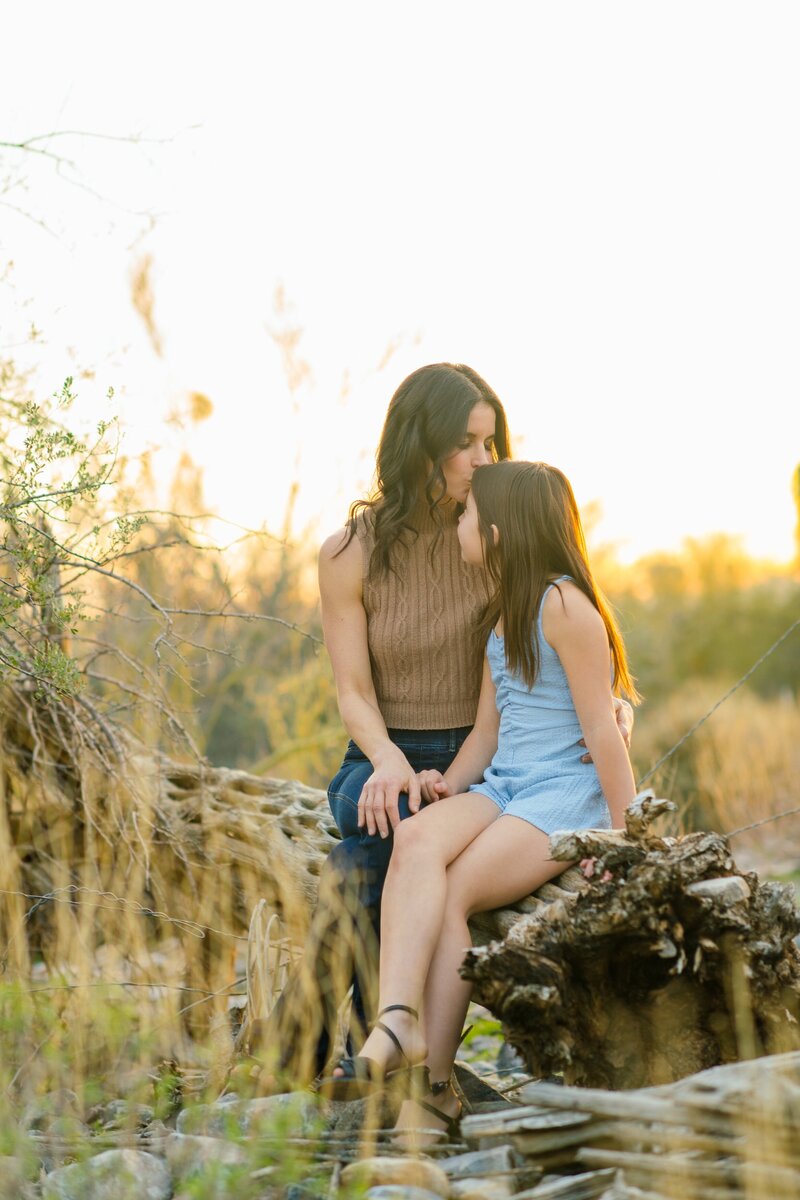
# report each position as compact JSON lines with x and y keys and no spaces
{"x":740,"y":767}
{"x":126,"y":888}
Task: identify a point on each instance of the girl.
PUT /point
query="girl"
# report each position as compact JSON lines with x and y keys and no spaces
{"x":554,"y":659}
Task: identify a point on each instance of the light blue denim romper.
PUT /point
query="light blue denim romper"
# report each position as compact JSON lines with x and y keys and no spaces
{"x":537,"y":773}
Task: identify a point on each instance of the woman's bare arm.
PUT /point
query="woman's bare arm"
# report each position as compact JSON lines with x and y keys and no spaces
{"x":344,"y":623}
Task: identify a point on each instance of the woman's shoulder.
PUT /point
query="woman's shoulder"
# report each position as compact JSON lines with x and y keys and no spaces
{"x":343,"y":540}
{"x":334,"y":545}
{"x":340,"y":564}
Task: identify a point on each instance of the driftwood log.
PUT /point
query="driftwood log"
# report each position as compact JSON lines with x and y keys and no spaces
{"x":671,"y":961}
{"x":723,"y":1133}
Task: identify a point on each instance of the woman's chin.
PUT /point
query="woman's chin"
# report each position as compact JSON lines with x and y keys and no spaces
{"x":457,"y":495}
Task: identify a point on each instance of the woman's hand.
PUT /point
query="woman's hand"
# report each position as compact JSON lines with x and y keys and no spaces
{"x":378,"y":802}
{"x":433,"y":786}
{"x":623,"y":711}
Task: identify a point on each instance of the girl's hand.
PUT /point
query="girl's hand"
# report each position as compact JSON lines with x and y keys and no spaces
{"x":623,"y":711}
{"x":433,"y":786}
{"x":587,"y":866}
{"x":378,"y":802}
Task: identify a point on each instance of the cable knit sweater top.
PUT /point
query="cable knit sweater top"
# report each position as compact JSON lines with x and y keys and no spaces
{"x":422,"y":621}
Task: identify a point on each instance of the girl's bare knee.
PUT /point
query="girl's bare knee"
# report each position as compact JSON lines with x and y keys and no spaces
{"x":410,"y":843}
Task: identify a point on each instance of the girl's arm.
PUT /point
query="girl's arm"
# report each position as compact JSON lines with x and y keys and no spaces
{"x":344,"y":623}
{"x":477,"y":749}
{"x":575,"y":630}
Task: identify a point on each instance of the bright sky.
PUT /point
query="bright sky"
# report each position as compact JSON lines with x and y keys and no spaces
{"x":594,"y":204}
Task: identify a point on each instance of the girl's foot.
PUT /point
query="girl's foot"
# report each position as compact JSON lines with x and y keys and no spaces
{"x":381,"y":1050}
{"x":427,"y":1120}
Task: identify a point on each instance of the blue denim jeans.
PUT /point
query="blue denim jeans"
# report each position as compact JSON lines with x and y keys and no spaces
{"x":425,"y":749}
{"x":361,"y":859}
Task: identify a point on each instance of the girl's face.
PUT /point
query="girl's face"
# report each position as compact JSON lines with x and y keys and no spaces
{"x":475,"y":450}
{"x":469,"y":534}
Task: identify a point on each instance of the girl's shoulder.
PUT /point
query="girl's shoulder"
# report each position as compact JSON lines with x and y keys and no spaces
{"x":566,"y":606}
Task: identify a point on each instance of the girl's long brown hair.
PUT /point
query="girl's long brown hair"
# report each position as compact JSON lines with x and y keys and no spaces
{"x":426,"y":419}
{"x":534,"y":509}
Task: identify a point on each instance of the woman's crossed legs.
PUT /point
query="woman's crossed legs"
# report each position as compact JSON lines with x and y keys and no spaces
{"x":455,"y":858}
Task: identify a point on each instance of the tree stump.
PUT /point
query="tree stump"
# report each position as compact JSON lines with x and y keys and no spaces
{"x":676,"y":963}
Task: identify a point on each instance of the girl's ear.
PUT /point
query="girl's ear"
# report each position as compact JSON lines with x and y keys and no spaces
{"x":495,"y":535}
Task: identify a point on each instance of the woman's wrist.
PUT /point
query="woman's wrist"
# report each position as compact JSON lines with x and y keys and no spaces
{"x":390,"y":756}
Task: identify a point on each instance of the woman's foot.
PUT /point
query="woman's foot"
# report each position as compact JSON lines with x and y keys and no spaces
{"x":383,"y":1051}
{"x":427,"y":1120}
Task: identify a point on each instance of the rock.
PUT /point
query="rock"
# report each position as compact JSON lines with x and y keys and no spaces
{"x":112,"y":1175}
{"x":292,"y":1114}
{"x":482,"y":1188}
{"x":479,"y":1162}
{"x":123,"y":1114}
{"x":13,"y":1178}
{"x":190,"y":1155}
{"x":399,"y":1191}
{"x":298,"y":1191}
{"x":211,"y":1120}
{"x":156,"y":1129}
{"x":68,"y":1128}
{"x":411,"y":1172}
{"x":39,"y":1113}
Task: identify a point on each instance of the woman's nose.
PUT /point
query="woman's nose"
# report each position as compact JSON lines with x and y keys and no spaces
{"x":482,"y":456}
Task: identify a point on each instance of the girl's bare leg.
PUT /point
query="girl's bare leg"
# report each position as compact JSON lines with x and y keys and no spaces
{"x":412,"y":910}
{"x":506,"y":861}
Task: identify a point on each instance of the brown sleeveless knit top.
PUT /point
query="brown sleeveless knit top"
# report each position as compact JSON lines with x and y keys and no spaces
{"x":422,"y":618}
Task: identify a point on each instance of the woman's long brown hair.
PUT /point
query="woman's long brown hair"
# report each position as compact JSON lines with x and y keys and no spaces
{"x":426,"y":419}
{"x":534,"y":509}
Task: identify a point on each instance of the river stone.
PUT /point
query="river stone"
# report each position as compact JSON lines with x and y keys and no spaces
{"x":12,"y":1176}
{"x":68,"y":1128}
{"x":212,"y":1120}
{"x":413,"y":1172}
{"x":399,"y":1191}
{"x":124,"y":1114}
{"x":482,"y":1188}
{"x":296,"y":1114}
{"x":112,"y":1175}
{"x":188,"y":1155}
{"x":59,"y":1103}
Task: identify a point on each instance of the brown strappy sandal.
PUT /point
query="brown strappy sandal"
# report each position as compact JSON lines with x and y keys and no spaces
{"x":421,"y":1137}
{"x":362,"y":1075}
